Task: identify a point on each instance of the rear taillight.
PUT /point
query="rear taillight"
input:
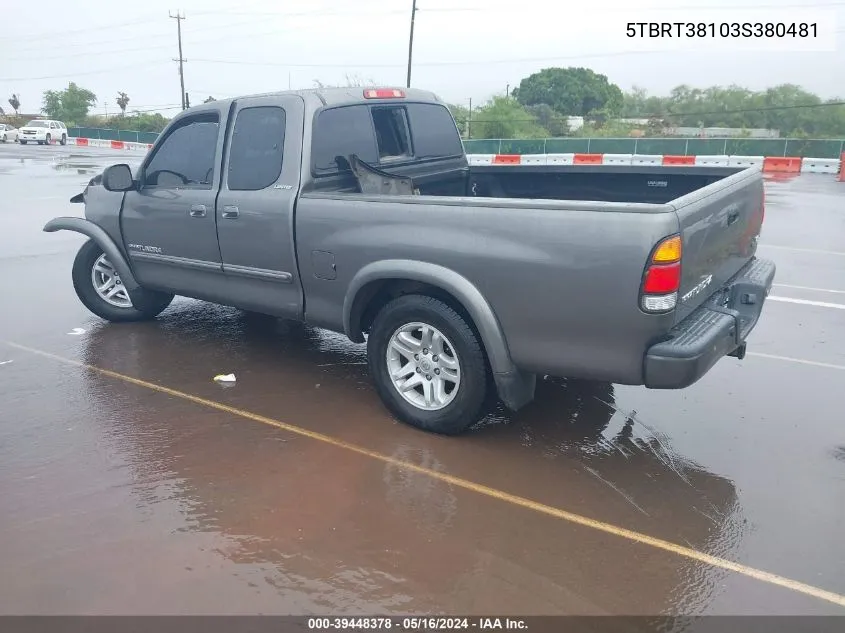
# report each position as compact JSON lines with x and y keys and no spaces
{"x":662,"y":277}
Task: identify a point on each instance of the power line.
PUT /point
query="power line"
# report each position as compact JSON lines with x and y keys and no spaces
{"x":227,"y":27}
{"x":825,"y":104}
{"x":668,"y":114}
{"x":64,"y":32}
{"x":84,"y":73}
{"x":257,"y":16}
{"x":522,"y":60}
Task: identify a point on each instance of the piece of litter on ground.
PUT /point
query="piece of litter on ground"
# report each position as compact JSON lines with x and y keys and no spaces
{"x":5,"y":362}
{"x":224,"y":378}
{"x":76,"y":331}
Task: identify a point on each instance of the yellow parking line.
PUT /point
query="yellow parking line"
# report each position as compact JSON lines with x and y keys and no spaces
{"x":570,"y":517}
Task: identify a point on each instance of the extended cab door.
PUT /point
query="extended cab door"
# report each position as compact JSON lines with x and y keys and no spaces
{"x":255,"y":208}
{"x":168,"y":223}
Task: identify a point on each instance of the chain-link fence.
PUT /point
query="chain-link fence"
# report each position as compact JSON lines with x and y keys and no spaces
{"x":108,"y":134}
{"x":815,"y":148}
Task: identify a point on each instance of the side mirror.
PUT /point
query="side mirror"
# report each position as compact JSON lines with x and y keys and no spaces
{"x":118,"y":178}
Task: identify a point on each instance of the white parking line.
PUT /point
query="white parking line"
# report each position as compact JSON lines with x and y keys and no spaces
{"x":839,"y":292}
{"x":796,"y":360}
{"x":803,"y":250}
{"x":807,"y":302}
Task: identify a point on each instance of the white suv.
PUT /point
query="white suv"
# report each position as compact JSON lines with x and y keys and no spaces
{"x":8,"y":133}
{"x":43,"y":132}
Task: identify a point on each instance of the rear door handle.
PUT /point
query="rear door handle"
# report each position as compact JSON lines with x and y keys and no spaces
{"x":197,"y":210}
{"x":230,"y":212}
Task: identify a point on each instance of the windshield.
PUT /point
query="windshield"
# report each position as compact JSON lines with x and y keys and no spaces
{"x":37,"y":124}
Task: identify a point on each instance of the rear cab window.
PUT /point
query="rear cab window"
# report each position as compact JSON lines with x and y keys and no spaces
{"x":257,"y":148}
{"x":393,"y":137}
{"x":383,"y":134}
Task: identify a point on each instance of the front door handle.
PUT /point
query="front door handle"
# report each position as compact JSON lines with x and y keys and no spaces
{"x":197,"y":211}
{"x":230,"y":212}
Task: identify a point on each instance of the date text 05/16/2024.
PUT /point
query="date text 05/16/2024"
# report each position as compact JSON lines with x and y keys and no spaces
{"x":419,"y":624}
{"x":742,"y":30}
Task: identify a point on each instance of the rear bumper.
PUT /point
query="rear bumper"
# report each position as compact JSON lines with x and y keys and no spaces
{"x":716,"y":329}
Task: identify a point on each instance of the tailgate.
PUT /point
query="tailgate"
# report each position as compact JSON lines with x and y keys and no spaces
{"x":719,"y":226}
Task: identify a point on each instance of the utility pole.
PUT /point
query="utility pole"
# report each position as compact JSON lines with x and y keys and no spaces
{"x":411,"y":40}
{"x":179,"y":17}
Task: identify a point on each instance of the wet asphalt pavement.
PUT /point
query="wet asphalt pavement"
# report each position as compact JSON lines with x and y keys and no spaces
{"x":119,"y":498}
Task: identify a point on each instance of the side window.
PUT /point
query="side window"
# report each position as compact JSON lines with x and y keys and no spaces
{"x":341,"y":132}
{"x":52,"y":126}
{"x":434,"y":132}
{"x":257,"y":149}
{"x":392,"y":136}
{"x":186,"y":155}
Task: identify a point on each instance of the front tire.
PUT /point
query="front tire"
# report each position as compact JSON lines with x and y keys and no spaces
{"x":21,"y":142}
{"x":100,"y":289}
{"x":427,"y":365}
{"x":64,"y":139}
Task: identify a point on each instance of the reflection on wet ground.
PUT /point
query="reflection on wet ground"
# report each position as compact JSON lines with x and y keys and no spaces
{"x":331,"y":530}
{"x":118,"y":499}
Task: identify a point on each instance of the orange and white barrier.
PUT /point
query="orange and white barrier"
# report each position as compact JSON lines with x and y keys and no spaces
{"x":107,"y":144}
{"x":768,"y":164}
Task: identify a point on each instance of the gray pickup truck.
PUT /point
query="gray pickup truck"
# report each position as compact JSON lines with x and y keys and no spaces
{"x":356,"y":210}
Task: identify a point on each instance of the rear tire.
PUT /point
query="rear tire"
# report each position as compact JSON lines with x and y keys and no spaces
{"x":436,"y":381}
{"x":64,"y":139}
{"x":48,"y":139}
{"x":92,"y":269}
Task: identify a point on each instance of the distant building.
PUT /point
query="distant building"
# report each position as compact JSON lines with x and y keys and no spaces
{"x":574,"y":122}
{"x":722,"y":132}
{"x":633,"y":121}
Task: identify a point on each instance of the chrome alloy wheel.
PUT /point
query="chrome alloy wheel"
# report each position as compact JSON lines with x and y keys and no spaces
{"x":423,"y":366}
{"x":108,"y":285}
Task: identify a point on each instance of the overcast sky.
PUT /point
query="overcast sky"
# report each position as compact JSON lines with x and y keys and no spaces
{"x":462,"y":49}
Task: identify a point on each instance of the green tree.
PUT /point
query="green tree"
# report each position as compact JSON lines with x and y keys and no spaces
{"x":70,"y":105}
{"x":503,"y":117}
{"x":461,"y":116}
{"x":122,"y":102}
{"x":15,"y":102}
{"x":570,"y":91}
{"x":546,"y":116}
{"x":787,"y":108}
{"x":351,"y":81}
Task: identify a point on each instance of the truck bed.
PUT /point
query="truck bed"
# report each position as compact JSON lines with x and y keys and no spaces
{"x":605,"y":183}
{"x":718,"y":210}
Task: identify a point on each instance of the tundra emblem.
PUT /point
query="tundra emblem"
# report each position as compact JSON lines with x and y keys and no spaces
{"x":142,"y":248}
{"x":701,"y":286}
